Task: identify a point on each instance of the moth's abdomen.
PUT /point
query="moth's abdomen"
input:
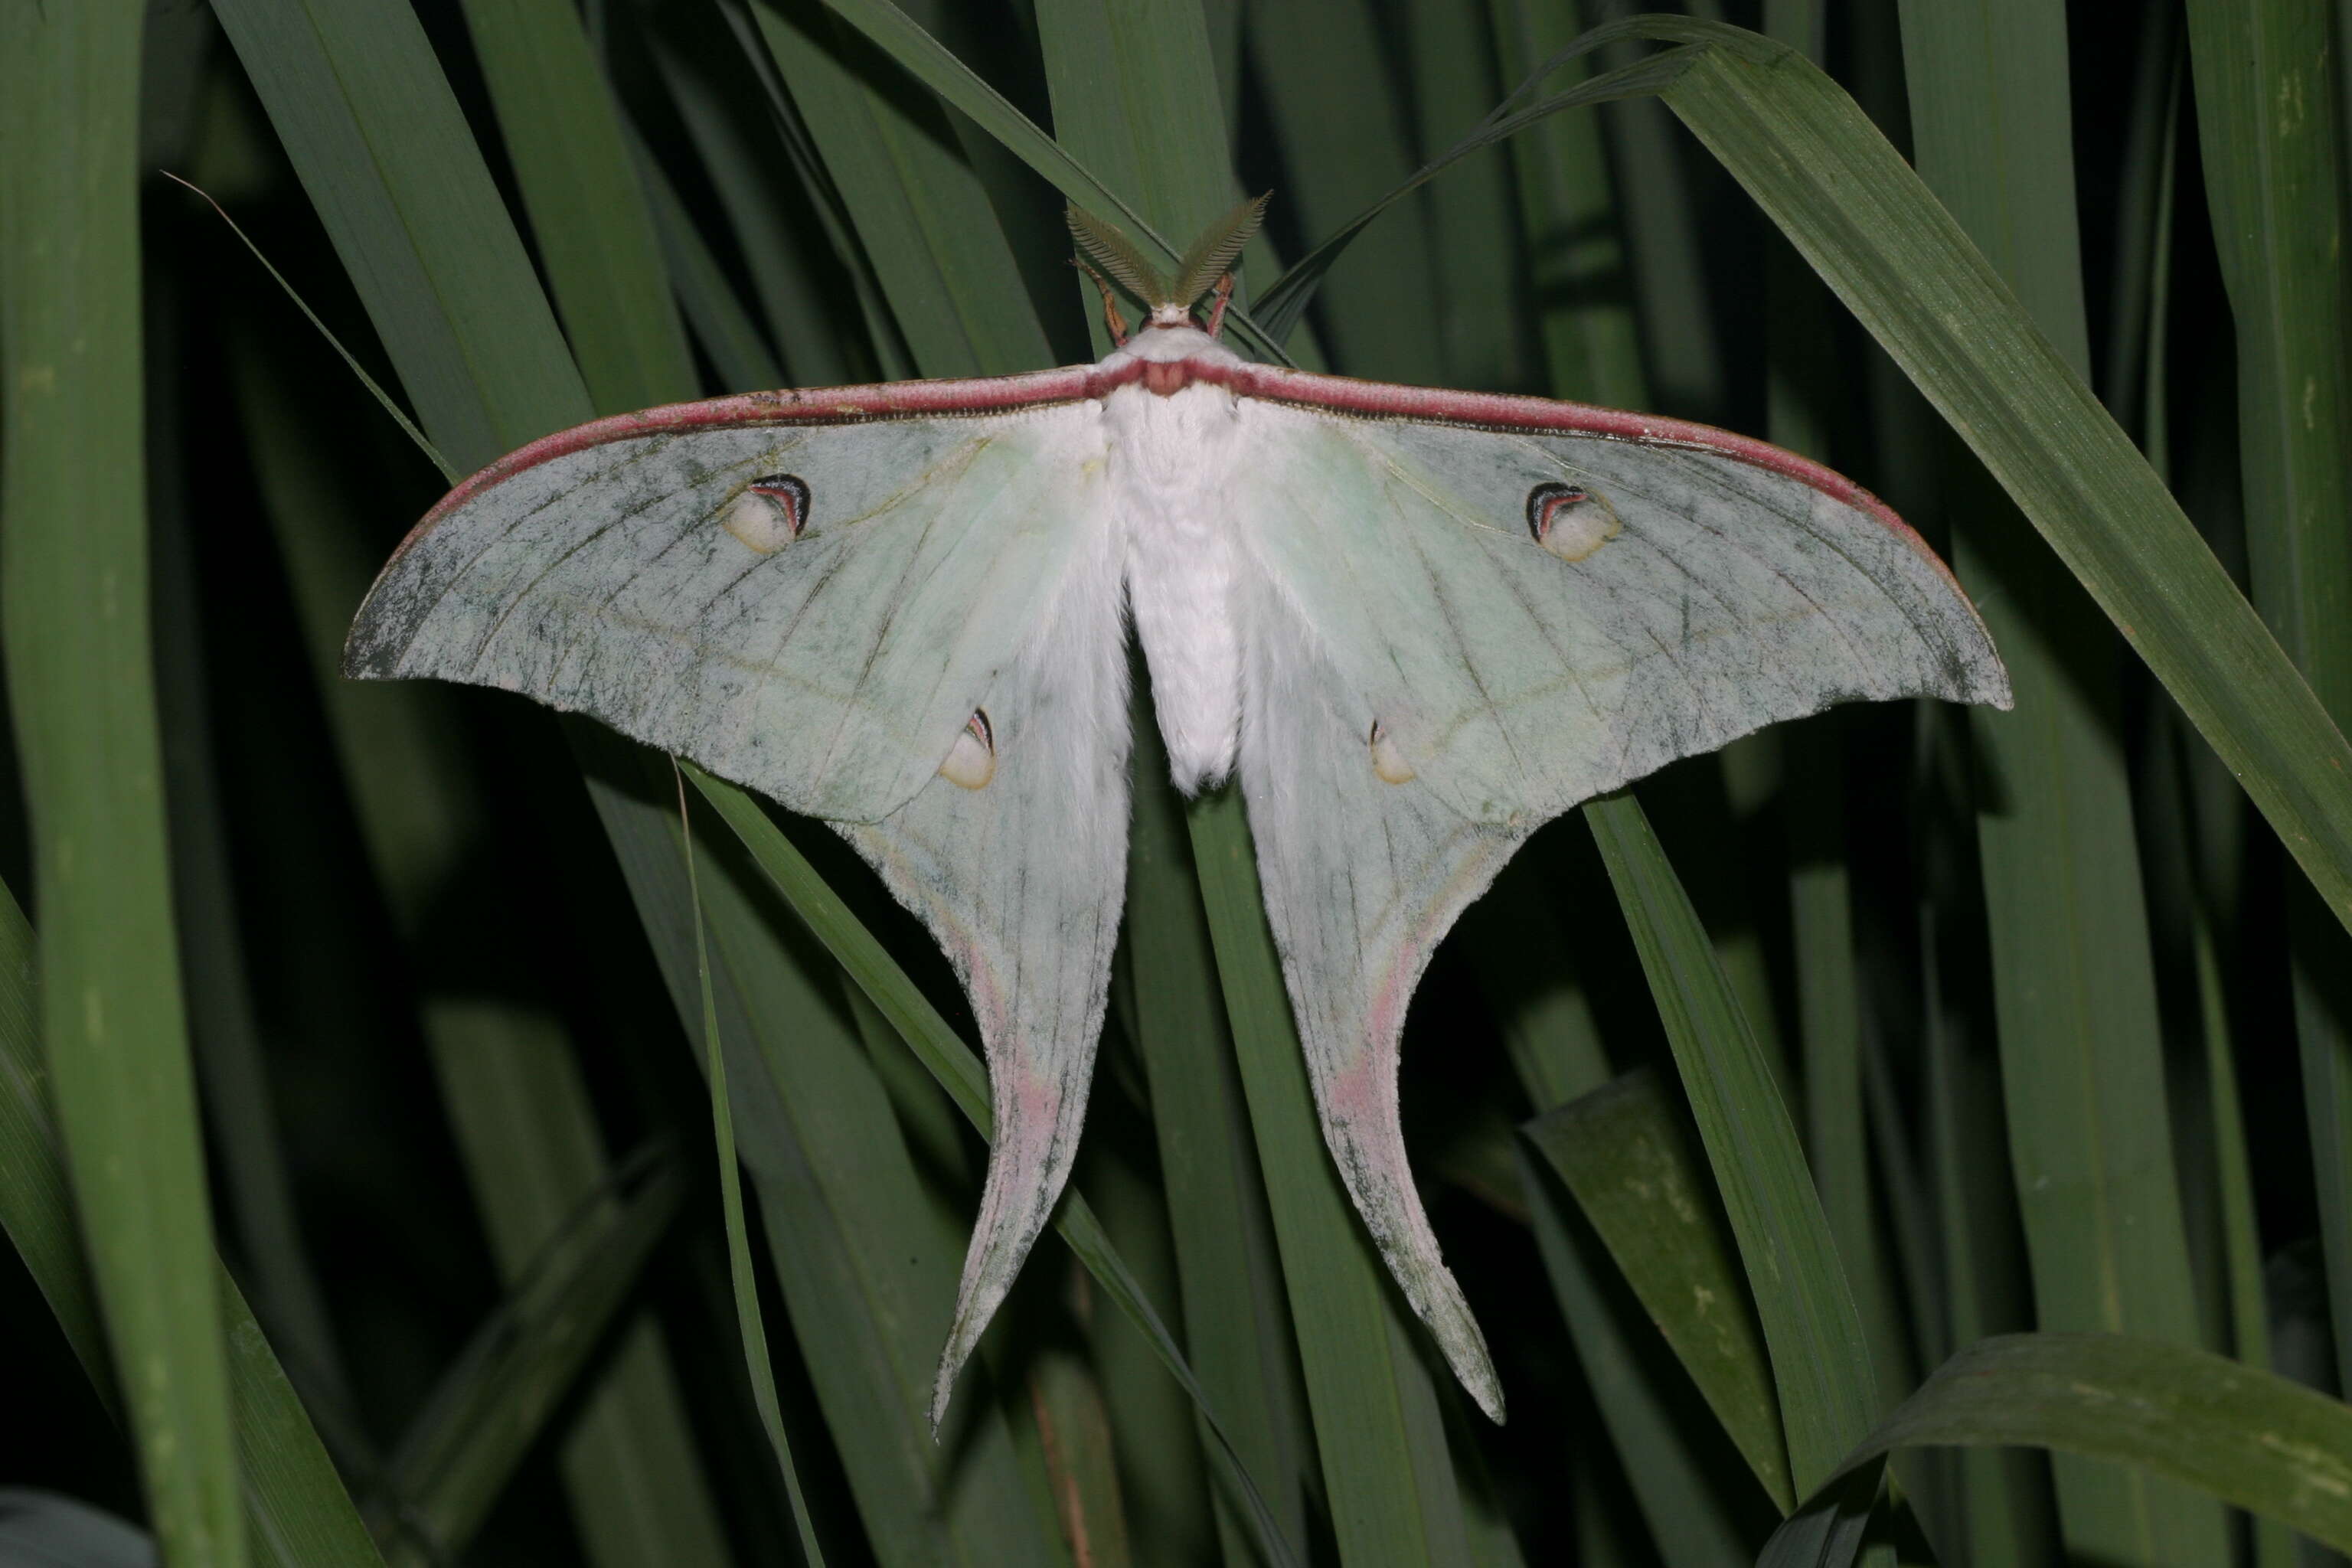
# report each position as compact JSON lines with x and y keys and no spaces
{"x":1170,"y":459}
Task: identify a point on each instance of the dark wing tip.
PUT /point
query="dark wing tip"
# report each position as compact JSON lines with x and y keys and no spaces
{"x":1990,"y":683}
{"x":378,"y":639}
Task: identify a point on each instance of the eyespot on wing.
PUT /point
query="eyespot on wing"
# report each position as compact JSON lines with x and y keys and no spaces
{"x":768,"y":513}
{"x":1388,"y":763}
{"x":1569,"y":521}
{"x":972,"y":761}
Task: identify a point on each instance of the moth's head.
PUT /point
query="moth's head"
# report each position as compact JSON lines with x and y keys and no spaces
{"x":1200,"y":270}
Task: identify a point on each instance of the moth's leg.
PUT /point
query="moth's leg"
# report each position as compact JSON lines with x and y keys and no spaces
{"x":1224,"y":297}
{"x":1111,"y":317}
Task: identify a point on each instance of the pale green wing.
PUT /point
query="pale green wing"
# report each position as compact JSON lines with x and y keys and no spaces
{"x":908,"y":624}
{"x":821,"y":639}
{"x":1020,"y":879}
{"x":1361,"y":877}
{"x":1711,"y":594}
{"x":1456,"y":633}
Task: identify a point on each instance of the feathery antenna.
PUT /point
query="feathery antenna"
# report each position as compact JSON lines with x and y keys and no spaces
{"x":1116,"y":254}
{"x":1211,"y":258}
{"x":1214,"y":254}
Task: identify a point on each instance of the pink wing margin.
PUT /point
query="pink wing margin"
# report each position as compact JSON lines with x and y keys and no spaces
{"x":803,"y":405}
{"x":1502,"y":411}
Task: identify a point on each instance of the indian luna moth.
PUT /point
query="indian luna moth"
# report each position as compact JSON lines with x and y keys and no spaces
{"x":1417,"y":624}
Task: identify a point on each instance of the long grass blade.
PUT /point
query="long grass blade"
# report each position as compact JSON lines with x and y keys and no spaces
{"x":1377,"y":1423}
{"x":1820,"y":1361}
{"x":1480,"y":311}
{"x":1132,"y":87}
{"x":1281,"y":306}
{"x":595,"y":235}
{"x":851,"y":1243}
{"x":1575,"y":256}
{"x":1801,"y":382}
{"x":747,"y":1318}
{"x":721,"y":322}
{"x":515,"y":1094}
{"x":1154,"y":1444}
{"x":1344,"y":118}
{"x":2270,"y":121}
{"x":526,"y":1134}
{"x":1675,"y":1478}
{"x":865,"y":1255}
{"x":492,"y":1403}
{"x":2073,"y":982}
{"x":735,"y":125}
{"x":353,"y":88}
{"x":891,"y":30}
{"x":918,"y":210}
{"x":297,"y":1511}
{"x":1804,"y":152}
{"x":1237,"y":1330}
{"x":1621,"y":1151}
{"x":383,"y":399}
{"x":959,"y":1071}
{"x":74,"y":587}
{"x":240,"y":1104}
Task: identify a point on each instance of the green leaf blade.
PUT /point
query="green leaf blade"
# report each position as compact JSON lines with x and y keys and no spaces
{"x":1875,"y":235}
{"x":74,"y":582}
{"x":2248,"y":1437}
{"x":1821,"y":1361}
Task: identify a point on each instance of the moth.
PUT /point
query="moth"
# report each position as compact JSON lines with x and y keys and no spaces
{"x":1414,"y":626}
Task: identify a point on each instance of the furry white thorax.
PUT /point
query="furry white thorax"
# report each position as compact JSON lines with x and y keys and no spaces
{"x":1169,"y":457}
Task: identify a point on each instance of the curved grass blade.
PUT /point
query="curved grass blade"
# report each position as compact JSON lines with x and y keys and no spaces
{"x":1342,"y":110}
{"x":74,"y":577}
{"x":960,"y":1073}
{"x":383,"y":399}
{"x":297,"y":1511}
{"x":1863,"y":219}
{"x":1864,"y":222}
{"x":918,"y":210}
{"x":747,"y":1320}
{"x":1280,"y":307}
{"x":2246,"y":1436}
{"x":1620,"y":1151}
{"x":1820,"y":1361}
